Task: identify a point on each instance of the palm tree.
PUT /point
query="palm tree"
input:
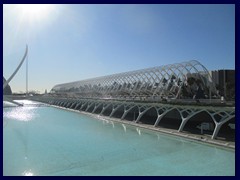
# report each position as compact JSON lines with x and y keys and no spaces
{"x":164,"y":81}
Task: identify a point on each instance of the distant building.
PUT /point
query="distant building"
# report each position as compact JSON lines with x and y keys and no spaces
{"x":225,"y":82}
{"x":7,"y":90}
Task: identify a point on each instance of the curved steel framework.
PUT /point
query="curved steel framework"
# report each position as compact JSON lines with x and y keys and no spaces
{"x":15,"y":72}
{"x":163,"y":82}
{"x":12,"y":76}
{"x":218,"y":115}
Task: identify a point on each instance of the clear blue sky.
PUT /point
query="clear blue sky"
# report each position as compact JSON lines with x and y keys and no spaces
{"x":74,"y":42}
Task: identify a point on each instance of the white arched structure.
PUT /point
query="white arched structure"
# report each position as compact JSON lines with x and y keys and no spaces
{"x":219,"y":115}
{"x":97,"y":95}
{"x":15,"y":72}
{"x":162,"y":82}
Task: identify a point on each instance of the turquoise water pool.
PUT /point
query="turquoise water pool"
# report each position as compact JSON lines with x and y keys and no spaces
{"x":50,"y":141}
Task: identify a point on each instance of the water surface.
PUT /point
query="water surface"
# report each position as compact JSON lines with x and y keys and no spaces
{"x":50,"y":141}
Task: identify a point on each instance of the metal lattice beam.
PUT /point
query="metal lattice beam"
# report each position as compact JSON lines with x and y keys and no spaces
{"x":163,"y":81}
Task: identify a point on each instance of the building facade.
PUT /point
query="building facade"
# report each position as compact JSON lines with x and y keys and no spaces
{"x":224,"y":81}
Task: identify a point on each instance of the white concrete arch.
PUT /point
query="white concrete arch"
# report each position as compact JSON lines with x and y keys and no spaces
{"x":219,"y":115}
{"x":18,"y":67}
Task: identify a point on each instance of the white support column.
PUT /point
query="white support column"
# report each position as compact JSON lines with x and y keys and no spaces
{"x":219,"y":125}
{"x":191,"y":113}
{"x":160,"y":116}
{"x":158,"y":119}
{"x":115,"y":108}
{"x":72,"y":105}
{"x":184,"y":121}
{"x":216,"y":130}
{"x":68,"y":104}
{"x":127,"y":110}
{"x":64,"y":105}
{"x":96,"y":106}
{"x":141,"y":113}
{"x":83,"y":105}
{"x":104,"y":108}
{"x":89,"y":105}
{"x":77,"y":105}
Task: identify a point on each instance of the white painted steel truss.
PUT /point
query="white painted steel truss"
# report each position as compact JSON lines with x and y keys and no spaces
{"x":219,"y":115}
{"x":157,"y":82}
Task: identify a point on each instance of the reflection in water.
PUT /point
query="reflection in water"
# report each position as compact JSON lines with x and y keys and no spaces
{"x":124,"y":127}
{"x":112,"y":124}
{"x":22,"y":136}
{"x":27,"y":173}
{"x":138,"y":131}
{"x":26,"y":102}
{"x":21,"y":113}
{"x":62,"y":143}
